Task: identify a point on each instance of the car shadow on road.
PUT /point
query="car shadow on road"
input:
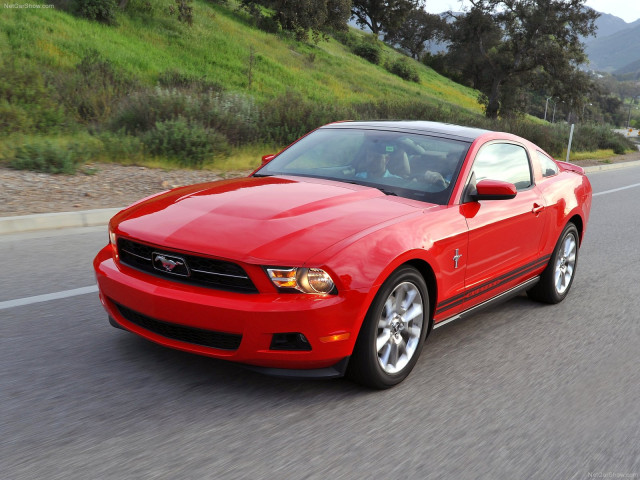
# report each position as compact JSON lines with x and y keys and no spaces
{"x":209,"y":376}
{"x":166,"y":370}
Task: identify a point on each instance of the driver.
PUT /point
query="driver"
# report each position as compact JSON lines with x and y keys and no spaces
{"x":375,"y":166}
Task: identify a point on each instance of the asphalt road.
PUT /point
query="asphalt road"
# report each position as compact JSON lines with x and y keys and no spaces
{"x":520,"y":391}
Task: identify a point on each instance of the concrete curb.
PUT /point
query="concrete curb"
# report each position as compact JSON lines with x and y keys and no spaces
{"x":611,"y":166}
{"x":51,"y":221}
{"x":92,"y":218}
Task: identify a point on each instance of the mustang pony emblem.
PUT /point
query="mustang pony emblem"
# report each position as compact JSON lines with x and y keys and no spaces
{"x":457,"y":257}
{"x":170,"y":264}
{"x":167,"y":264}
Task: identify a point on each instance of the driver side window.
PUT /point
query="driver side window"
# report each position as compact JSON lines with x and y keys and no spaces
{"x":503,"y":161}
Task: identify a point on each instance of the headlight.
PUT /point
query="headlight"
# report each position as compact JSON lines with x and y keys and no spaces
{"x":112,"y":236}
{"x":307,"y":280}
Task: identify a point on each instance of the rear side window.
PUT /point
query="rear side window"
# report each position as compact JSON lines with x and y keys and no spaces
{"x":548,"y":166}
{"x":503,"y":161}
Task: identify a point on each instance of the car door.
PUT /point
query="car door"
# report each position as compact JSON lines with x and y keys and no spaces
{"x":504,"y":235}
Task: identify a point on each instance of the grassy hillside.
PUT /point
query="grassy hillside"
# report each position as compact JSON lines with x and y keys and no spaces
{"x":216,"y":48}
{"x":154,"y":90}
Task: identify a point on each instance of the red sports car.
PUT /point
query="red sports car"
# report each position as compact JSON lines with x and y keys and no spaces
{"x":340,"y":253}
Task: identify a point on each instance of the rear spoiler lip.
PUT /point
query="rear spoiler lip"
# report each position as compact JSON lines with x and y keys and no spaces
{"x":570,"y":167}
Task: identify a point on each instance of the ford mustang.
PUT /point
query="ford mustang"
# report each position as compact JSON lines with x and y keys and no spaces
{"x":342,"y":252}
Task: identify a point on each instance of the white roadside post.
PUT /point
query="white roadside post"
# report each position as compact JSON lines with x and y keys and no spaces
{"x":570,"y":139}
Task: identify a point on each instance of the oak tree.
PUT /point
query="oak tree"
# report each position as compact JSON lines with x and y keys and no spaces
{"x":304,"y":16}
{"x":418,"y":28}
{"x":502,"y":44}
{"x":382,"y":15}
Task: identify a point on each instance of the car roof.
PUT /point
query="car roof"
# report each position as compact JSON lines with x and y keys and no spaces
{"x":416,"y":126}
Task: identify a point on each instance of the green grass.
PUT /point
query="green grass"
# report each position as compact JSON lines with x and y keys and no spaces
{"x":295,"y":86}
{"x":217,"y":47}
{"x":214,"y":51}
{"x":597,"y":155}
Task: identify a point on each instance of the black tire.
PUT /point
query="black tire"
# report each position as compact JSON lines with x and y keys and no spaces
{"x":555,"y":281}
{"x":405,"y":327}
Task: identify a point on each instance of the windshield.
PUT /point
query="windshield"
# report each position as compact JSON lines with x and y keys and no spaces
{"x":421,"y":167}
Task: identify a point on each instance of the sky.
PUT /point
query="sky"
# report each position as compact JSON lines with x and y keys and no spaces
{"x":628,"y":10}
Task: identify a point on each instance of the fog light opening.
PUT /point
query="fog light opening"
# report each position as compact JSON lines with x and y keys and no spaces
{"x":290,"y":341}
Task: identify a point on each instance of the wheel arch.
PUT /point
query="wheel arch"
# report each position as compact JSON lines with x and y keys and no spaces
{"x":579,"y":223}
{"x":359,"y":368}
{"x":424,"y":269}
{"x":432,"y":285}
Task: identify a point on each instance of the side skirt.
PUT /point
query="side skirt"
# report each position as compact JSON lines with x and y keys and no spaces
{"x":492,"y":301}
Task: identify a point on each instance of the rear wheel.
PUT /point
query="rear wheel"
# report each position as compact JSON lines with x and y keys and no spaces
{"x":393,"y":331}
{"x":557,"y":278}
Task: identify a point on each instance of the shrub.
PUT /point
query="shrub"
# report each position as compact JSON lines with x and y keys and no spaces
{"x":142,"y":110}
{"x":140,"y":7}
{"x":438,"y":62}
{"x":269,"y":24}
{"x":44,"y":156}
{"x":189,"y":145}
{"x":120,"y":147}
{"x":103,"y":11}
{"x":233,"y":115}
{"x":92,"y":89}
{"x":369,"y":50}
{"x":13,"y":118}
{"x":176,"y":79}
{"x":404,"y":69}
{"x":552,"y":139}
{"x":618,"y":143}
{"x":27,"y":101}
{"x":286,"y":118}
{"x":593,"y":137}
{"x":346,"y":38}
{"x":184,"y":11}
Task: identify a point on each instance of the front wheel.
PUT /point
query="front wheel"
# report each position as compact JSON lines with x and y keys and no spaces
{"x":557,"y":278}
{"x":393,"y":331}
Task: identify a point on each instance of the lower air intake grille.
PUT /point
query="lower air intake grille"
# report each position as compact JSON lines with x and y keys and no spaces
{"x":198,"y":336}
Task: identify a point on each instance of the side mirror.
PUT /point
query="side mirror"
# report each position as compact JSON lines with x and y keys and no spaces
{"x":267,"y":158}
{"x":494,"y":190}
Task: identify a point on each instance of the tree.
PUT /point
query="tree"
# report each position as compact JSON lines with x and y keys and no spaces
{"x":501,"y":44}
{"x":304,"y":16}
{"x":418,"y":28}
{"x":382,"y":15}
{"x":102,"y":11}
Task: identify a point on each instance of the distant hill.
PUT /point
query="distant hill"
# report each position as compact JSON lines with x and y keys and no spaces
{"x":609,"y":24}
{"x":631,"y":68}
{"x":616,"y":44}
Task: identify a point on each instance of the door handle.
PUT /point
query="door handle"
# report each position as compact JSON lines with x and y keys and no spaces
{"x":537,"y":208}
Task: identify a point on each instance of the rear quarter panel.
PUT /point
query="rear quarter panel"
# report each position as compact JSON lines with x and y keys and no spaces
{"x":566,"y":195}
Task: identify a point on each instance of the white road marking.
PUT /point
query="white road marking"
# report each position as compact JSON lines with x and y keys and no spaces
{"x":18,"y":302}
{"x":616,"y":189}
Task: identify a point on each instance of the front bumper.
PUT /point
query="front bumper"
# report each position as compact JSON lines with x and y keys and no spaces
{"x":256,"y":317}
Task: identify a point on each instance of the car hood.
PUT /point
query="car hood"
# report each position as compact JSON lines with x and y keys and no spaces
{"x":267,"y":220}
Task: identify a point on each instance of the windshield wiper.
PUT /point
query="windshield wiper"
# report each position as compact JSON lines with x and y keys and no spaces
{"x":365,"y":184}
{"x":387,"y":192}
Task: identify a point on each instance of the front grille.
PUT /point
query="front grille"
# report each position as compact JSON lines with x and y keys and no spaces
{"x":197,"y":336}
{"x":202,"y":271}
